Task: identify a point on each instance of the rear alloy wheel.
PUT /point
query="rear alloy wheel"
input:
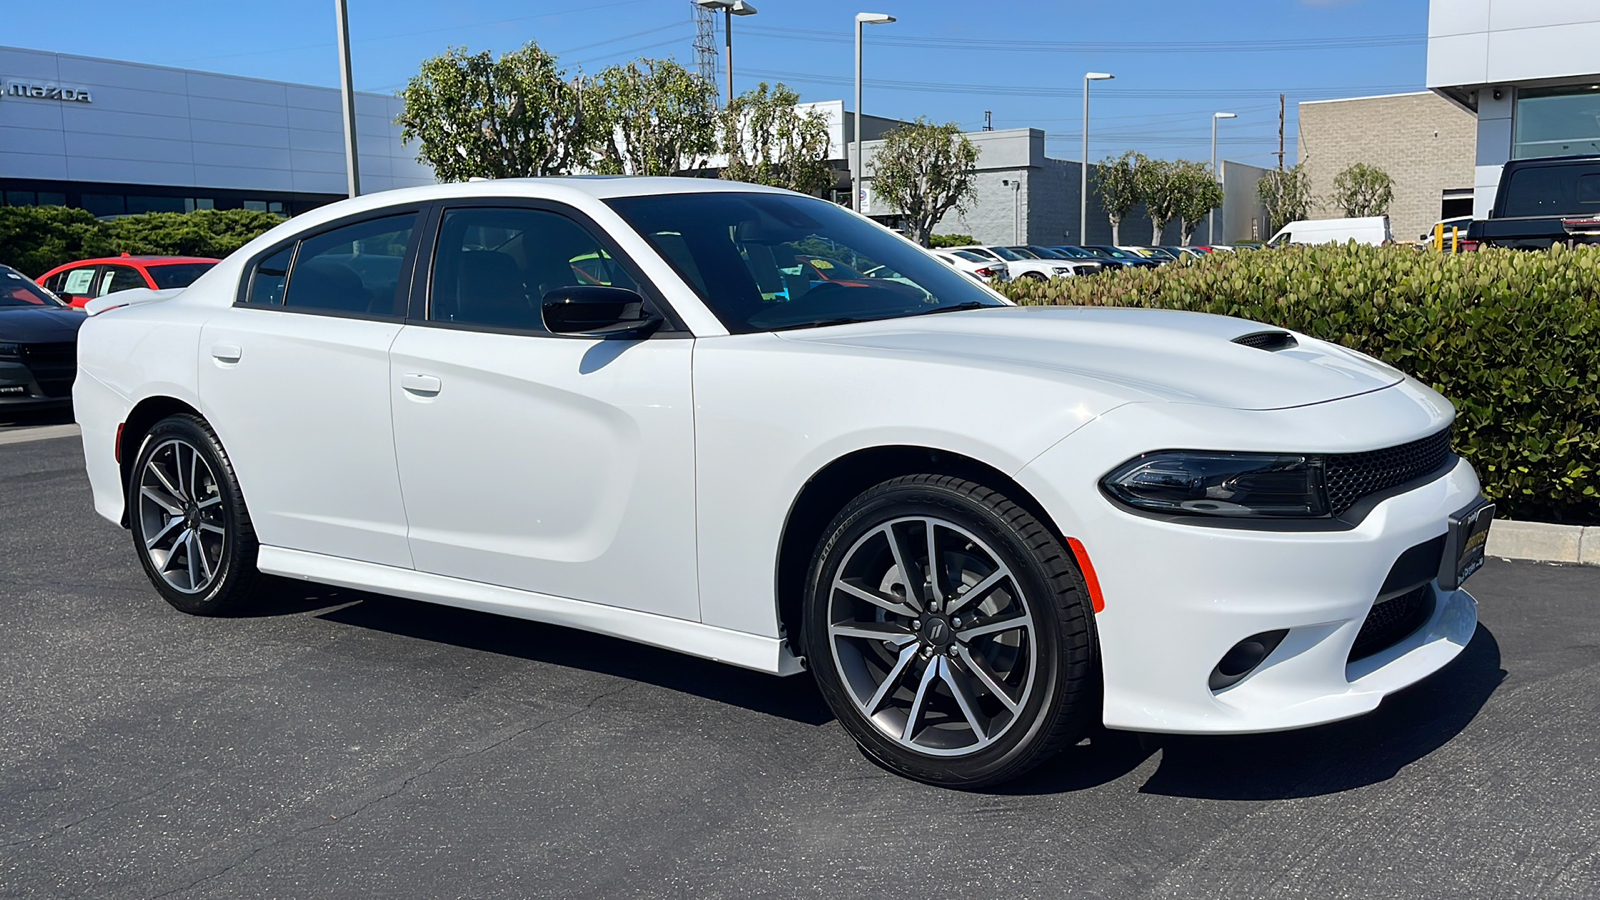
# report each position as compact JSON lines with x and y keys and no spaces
{"x":948,"y":630}
{"x":1032,"y":276}
{"x":188,"y":519}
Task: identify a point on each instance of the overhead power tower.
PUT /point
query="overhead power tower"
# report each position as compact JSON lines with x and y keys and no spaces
{"x":705,"y":44}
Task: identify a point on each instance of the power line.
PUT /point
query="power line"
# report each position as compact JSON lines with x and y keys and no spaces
{"x":933,"y":87}
{"x":931,"y":42}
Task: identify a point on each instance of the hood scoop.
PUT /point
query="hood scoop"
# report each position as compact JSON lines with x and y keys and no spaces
{"x":1270,"y":341}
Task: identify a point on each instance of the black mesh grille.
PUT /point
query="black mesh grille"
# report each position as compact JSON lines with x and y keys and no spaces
{"x":1392,"y":621}
{"x":1351,"y":476}
{"x":1268,"y":340}
{"x":54,"y":366}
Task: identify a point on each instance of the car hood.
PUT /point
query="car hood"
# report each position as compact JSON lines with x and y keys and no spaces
{"x":39,"y":325}
{"x":1146,"y":354}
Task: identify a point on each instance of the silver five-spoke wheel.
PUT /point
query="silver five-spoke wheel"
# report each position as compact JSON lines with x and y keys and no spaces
{"x":181,"y":517}
{"x":932,"y":636}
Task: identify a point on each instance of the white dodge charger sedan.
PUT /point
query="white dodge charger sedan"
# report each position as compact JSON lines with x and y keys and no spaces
{"x":624,"y":405}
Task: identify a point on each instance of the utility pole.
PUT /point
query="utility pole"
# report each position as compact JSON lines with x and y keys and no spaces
{"x":705,"y":44}
{"x":1280,"y":132}
{"x":348,"y":100}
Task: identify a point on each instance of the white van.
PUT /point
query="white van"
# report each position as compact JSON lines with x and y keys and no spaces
{"x":1372,"y":230}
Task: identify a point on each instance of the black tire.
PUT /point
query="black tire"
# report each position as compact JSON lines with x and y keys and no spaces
{"x":1032,"y":276}
{"x":211,"y":574}
{"x":1056,"y":708}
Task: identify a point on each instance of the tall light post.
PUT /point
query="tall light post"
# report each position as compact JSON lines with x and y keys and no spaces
{"x":1083,"y":188}
{"x":347,"y":99}
{"x":855,"y":164}
{"x":730,"y":8}
{"x":1211,"y":233}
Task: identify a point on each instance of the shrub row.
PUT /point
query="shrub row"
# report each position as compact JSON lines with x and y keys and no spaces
{"x":1512,"y":338}
{"x":36,"y":239}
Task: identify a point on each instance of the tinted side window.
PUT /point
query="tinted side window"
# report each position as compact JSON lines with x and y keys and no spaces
{"x":494,"y":266}
{"x":124,"y":278}
{"x":269,"y":278}
{"x":354,"y":269}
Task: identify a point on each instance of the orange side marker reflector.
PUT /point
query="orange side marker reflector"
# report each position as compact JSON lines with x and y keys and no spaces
{"x":1097,"y":600}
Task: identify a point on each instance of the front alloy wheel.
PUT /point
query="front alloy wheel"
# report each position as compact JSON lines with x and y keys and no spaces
{"x":949,"y":631}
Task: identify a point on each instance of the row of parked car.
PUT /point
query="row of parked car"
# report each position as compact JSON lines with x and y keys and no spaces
{"x":997,"y":263}
{"x":39,"y":320}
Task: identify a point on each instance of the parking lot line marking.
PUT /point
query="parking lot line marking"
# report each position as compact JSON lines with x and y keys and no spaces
{"x":38,"y":433}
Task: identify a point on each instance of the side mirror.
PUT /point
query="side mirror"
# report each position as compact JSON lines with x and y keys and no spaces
{"x":597,"y":311}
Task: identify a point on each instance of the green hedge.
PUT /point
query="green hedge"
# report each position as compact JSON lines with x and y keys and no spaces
{"x":1512,"y":338}
{"x":36,"y":239}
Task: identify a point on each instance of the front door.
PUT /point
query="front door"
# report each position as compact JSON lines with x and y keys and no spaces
{"x":546,"y":463}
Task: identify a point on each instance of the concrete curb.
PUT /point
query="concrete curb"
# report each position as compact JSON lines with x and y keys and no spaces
{"x":1544,"y":542}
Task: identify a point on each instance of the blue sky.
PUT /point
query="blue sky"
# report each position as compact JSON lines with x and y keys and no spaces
{"x":1176,"y":62}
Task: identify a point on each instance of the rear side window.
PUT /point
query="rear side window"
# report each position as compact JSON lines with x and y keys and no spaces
{"x":354,"y":269}
{"x":124,"y":278}
{"x":270,"y":277}
{"x":177,"y":275}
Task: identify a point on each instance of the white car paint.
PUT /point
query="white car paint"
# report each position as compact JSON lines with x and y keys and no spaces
{"x":1370,"y":230}
{"x":986,"y":271}
{"x":642,"y":488}
{"x":1024,"y":268}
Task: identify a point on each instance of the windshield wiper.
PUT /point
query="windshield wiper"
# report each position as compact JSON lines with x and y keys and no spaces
{"x":960,"y":307}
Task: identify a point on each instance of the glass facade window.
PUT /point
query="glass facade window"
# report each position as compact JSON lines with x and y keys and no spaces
{"x":1559,"y":121}
{"x":138,"y":204}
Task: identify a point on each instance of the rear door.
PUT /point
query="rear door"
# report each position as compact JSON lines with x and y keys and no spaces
{"x":295,"y":379}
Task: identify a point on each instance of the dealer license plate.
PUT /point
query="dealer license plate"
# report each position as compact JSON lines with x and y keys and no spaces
{"x":1469,"y":535}
{"x":13,"y":389}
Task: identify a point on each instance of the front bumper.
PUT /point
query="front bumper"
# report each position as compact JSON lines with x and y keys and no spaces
{"x":22,"y":388}
{"x":1180,"y":594}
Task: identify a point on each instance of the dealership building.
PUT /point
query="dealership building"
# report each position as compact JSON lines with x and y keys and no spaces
{"x":118,"y":137}
{"x":1528,"y":70}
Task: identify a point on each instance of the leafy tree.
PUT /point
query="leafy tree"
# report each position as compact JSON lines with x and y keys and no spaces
{"x":652,"y":117}
{"x":476,"y":116}
{"x":1198,"y":194}
{"x":1160,"y":188}
{"x":36,"y":239}
{"x":924,"y":171}
{"x":951,"y":240}
{"x":1118,"y":186}
{"x":768,"y":140}
{"x":1362,"y":190}
{"x":1286,"y":195}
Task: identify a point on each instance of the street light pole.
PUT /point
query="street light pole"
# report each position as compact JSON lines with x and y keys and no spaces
{"x":855,"y":157}
{"x":1211,"y":232}
{"x":347,"y":100}
{"x":1083,"y":187}
{"x":730,"y":8}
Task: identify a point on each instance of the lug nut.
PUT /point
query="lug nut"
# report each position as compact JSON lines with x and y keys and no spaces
{"x":956,"y":622}
{"x":915,"y":624}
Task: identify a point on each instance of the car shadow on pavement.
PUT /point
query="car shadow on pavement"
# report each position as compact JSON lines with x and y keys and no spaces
{"x":795,"y":698}
{"x":30,"y":418}
{"x":1326,"y":759}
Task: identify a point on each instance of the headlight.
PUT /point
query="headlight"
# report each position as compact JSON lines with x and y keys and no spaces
{"x":1193,"y":482}
{"x":10,"y":351}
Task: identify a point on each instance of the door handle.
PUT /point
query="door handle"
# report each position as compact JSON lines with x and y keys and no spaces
{"x":421,"y":385}
{"x":226,"y":353}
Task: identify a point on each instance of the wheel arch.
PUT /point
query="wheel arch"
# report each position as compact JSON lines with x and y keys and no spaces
{"x":833,"y":486}
{"x":141,"y":418}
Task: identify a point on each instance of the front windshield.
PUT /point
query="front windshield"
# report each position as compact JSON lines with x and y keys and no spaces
{"x":177,"y":275}
{"x":1074,"y":252}
{"x":1047,"y":253}
{"x":1006,"y":254}
{"x":968,"y":255}
{"x":15,"y":290}
{"x":1024,"y":253}
{"x":1116,"y":253}
{"x":766,"y":262}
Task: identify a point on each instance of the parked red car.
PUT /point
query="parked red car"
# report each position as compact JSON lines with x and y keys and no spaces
{"x":82,"y":281}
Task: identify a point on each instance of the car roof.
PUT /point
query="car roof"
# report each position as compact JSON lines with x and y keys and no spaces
{"x":139,"y":261}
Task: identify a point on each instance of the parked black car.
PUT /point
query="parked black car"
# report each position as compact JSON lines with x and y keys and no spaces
{"x":1127,"y":256}
{"x":1080,"y":265}
{"x":1110,"y":264}
{"x":38,"y":344}
{"x":1542,"y":202}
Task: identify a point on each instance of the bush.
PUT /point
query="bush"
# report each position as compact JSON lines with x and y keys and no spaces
{"x":937,"y":241}
{"x":36,"y":239}
{"x":1512,"y":338}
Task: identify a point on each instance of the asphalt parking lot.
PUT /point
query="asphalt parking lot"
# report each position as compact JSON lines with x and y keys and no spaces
{"x":341,"y":744}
